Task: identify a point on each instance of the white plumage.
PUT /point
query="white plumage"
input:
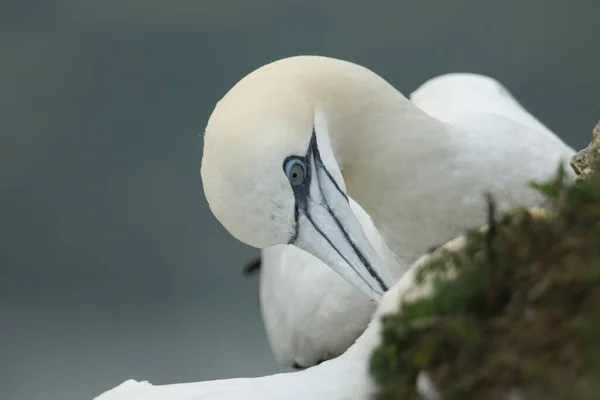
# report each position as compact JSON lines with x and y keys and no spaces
{"x":418,"y":168}
{"x":310,"y":313}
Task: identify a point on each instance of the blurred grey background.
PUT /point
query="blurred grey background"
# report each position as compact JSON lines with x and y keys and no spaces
{"x":111,"y":265}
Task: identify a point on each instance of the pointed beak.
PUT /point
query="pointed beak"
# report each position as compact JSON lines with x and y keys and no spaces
{"x":328,"y":229}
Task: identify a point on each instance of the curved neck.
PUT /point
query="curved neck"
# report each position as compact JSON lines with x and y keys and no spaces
{"x":392,"y":156}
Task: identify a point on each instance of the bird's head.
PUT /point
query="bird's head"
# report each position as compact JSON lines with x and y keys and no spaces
{"x":270,"y":174}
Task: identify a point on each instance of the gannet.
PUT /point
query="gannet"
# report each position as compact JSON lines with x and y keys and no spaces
{"x":310,"y":313}
{"x":289,"y":142}
{"x":288,"y":145}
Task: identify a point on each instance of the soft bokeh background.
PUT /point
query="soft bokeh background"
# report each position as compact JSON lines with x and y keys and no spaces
{"x":111,"y":265}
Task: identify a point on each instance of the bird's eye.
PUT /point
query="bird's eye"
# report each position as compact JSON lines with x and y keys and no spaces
{"x":295,"y":170}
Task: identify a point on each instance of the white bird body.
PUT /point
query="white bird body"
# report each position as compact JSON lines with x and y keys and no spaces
{"x":418,"y":169}
{"x":310,"y":313}
{"x":288,"y":141}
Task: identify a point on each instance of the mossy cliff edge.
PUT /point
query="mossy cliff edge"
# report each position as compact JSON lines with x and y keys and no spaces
{"x":515,"y":312}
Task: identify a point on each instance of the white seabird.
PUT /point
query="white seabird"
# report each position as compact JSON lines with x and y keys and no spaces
{"x":290,"y":141}
{"x":418,"y":167}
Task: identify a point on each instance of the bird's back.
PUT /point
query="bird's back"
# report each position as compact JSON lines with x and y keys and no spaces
{"x":451,"y":96}
{"x":492,"y":118}
{"x":499,"y":149}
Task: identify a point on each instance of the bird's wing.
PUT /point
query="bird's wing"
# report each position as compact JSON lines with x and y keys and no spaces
{"x":319,"y":383}
{"x":222,"y":389}
{"x":452,"y":96}
{"x":343,"y":378}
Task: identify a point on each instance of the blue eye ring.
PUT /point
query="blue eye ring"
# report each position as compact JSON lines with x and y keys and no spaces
{"x":295,"y":170}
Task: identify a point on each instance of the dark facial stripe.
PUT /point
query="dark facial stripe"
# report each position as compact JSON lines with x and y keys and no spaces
{"x":302,"y":195}
{"x":315,"y":150}
{"x":360,"y":255}
{"x":357,"y":251}
{"x":332,"y":245}
{"x":296,"y":226}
